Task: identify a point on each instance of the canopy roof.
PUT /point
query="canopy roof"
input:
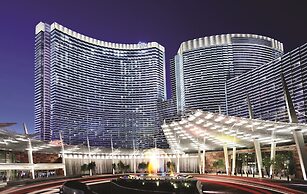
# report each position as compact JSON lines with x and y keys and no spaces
{"x":6,"y":124}
{"x":12,"y":141}
{"x":210,"y":131}
{"x":197,"y":130}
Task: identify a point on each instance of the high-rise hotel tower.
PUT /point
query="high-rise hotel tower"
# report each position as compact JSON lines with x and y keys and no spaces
{"x":108,"y":92}
{"x":264,"y":87}
{"x":202,"y":66}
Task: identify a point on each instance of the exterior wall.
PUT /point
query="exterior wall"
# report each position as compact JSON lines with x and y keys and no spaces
{"x":203,"y":65}
{"x":264,"y":87}
{"x":22,"y":157}
{"x":211,"y":157}
{"x":187,"y":164}
{"x":42,"y":84}
{"x":173,"y":79}
{"x":101,"y":90}
{"x":168,"y":109}
{"x":73,"y":166}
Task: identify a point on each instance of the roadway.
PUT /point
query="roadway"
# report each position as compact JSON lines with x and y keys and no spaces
{"x":211,"y":184}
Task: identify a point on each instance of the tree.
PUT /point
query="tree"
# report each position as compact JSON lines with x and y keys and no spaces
{"x":171,"y":166}
{"x":279,"y":164}
{"x":126,"y":168}
{"x":84,"y":167}
{"x":142,"y":166}
{"x":113,"y":168}
{"x":218,"y":164}
{"x":267,"y":162}
{"x":289,"y":165}
{"x":168,"y":165}
{"x":283,"y":163}
{"x":121,"y":166}
{"x":91,"y":166}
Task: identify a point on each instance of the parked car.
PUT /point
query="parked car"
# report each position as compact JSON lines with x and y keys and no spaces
{"x":75,"y":187}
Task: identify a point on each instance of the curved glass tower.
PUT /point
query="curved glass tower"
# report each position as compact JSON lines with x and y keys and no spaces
{"x":105,"y":91}
{"x":203,"y":65}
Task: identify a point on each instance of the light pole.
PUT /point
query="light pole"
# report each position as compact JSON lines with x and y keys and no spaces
{"x":30,"y":151}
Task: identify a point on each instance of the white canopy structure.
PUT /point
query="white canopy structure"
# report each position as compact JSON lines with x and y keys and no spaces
{"x":202,"y":131}
{"x":211,"y":131}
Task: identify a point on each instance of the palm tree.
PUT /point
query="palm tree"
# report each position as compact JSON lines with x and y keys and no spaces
{"x":84,"y":168}
{"x":142,"y":166}
{"x":126,"y":168}
{"x":121,"y":166}
{"x":92,"y":166}
{"x":171,"y":166}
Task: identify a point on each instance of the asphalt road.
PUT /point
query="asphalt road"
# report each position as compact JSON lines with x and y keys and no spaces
{"x":208,"y":187}
{"x":211,"y":184}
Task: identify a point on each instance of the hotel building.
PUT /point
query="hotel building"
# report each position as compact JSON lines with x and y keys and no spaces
{"x":264,"y":87}
{"x":202,"y":66}
{"x":106,"y":92}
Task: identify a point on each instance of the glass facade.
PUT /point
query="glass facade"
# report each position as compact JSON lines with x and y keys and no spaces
{"x":264,"y":87}
{"x":106,"y":91}
{"x":203,"y":65}
{"x":167,"y":109}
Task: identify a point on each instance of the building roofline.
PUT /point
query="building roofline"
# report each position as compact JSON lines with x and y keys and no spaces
{"x":285,"y":55}
{"x":41,"y":26}
{"x":223,"y":39}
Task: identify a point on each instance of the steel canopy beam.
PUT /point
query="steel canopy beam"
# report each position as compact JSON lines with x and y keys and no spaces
{"x":226,"y":158}
{"x":30,"y":151}
{"x":256,"y":141}
{"x":297,"y":133}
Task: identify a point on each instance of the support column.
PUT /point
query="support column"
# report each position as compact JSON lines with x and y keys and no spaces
{"x":199,"y":161}
{"x":258,"y":156}
{"x":30,"y":151}
{"x":134,"y":161}
{"x":204,"y":162}
{"x":178,"y":163}
{"x":273,"y":152}
{"x":63,"y":156}
{"x":234,"y":154}
{"x":297,"y":133}
{"x":203,"y":158}
{"x":226,"y":159}
{"x":8,"y":172}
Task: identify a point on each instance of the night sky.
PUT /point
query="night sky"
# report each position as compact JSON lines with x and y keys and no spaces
{"x":168,"y":22}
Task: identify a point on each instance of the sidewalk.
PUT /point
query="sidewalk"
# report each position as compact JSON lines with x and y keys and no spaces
{"x":255,"y":176}
{"x":281,"y":186}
